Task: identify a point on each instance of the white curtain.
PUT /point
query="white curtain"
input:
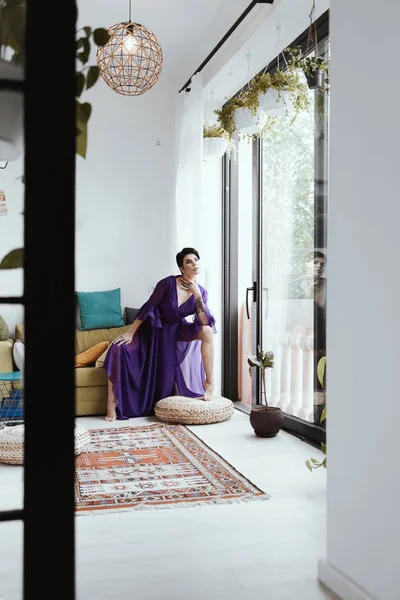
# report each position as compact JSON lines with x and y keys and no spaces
{"x":190,"y":163}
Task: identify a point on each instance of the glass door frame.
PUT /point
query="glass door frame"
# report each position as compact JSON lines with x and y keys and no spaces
{"x":230,"y":236}
{"x":230,"y":348}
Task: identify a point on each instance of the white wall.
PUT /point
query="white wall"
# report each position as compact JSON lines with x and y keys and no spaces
{"x":125,"y":193}
{"x":363,"y":525}
{"x":125,"y":189}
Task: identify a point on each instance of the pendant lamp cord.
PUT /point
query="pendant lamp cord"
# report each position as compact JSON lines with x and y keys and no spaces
{"x":130,"y":11}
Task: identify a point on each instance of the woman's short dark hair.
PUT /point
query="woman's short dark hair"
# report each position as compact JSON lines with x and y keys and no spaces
{"x":181,"y":255}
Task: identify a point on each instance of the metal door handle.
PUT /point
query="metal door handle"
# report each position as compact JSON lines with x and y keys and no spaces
{"x":254,"y":290}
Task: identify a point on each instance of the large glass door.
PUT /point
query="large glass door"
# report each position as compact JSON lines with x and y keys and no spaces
{"x":280,"y":191}
{"x":293,"y":257}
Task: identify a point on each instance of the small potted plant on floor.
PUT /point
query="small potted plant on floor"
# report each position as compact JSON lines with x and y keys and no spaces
{"x":266,"y":420}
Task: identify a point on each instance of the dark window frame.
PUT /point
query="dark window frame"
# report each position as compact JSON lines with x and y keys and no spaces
{"x":306,"y":431}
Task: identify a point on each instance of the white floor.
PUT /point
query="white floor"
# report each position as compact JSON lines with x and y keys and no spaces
{"x":250,"y":551}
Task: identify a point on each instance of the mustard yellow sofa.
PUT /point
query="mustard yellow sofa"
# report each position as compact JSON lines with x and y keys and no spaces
{"x":90,"y":383}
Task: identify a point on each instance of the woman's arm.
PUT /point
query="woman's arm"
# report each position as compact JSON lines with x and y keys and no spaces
{"x":200,"y":304}
{"x":135,"y":326}
{"x":200,"y":310}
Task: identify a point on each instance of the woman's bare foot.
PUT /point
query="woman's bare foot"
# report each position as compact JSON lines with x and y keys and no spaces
{"x":111,"y":414}
{"x":208,"y":390}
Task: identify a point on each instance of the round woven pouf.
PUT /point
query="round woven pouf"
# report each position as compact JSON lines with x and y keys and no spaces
{"x":82,"y":439}
{"x":192,"y":411}
{"x":12,"y":445}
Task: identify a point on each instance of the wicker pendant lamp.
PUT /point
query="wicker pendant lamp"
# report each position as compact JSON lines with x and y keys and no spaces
{"x":131,"y":61}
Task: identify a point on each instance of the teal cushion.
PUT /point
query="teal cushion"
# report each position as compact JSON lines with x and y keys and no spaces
{"x":100,"y":310}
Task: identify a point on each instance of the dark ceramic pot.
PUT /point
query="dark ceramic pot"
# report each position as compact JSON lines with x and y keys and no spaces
{"x":266,"y":423}
{"x":314,"y":80}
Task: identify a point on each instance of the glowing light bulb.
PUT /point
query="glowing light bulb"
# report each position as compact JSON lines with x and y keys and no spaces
{"x":130,"y":44}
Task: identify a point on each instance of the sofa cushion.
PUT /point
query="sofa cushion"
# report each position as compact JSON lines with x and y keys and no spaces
{"x":86,"y":339}
{"x":89,"y":356}
{"x":20,"y":332}
{"x":90,"y":377}
{"x":19,"y":354}
{"x":6,"y":356}
{"x":100,"y":361}
{"x":98,"y":310}
{"x":4,"y":332}
{"x":130,"y":315}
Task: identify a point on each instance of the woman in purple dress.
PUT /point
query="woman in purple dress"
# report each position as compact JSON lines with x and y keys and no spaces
{"x":163,"y":354}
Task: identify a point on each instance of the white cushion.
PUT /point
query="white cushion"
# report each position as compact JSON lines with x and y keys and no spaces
{"x":193,"y":411}
{"x":19,"y":354}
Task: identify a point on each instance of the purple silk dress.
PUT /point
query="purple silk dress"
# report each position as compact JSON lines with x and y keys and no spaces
{"x":164,"y":357}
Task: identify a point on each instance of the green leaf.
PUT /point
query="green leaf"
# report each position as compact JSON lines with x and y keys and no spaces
{"x":308,"y":465}
{"x":84,"y":55}
{"x":81,"y":139}
{"x":87,"y":30}
{"x":321,"y":370}
{"x":13,"y":260}
{"x":253,"y":362}
{"x":83,"y":112}
{"x":92,"y":77}
{"x":323,"y":448}
{"x":323,"y":415}
{"x":101,"y":37}
{"x":79,"y":43}
{"x":80,"y":84}
{"x":314,"y":461}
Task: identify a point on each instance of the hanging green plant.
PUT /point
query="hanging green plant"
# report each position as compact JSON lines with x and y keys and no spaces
{"x":283,"y":82}
{"x":214,"y":131}
{"x":286,"y":83}
{"x":226,"y":115}
{"x":315,"y":68}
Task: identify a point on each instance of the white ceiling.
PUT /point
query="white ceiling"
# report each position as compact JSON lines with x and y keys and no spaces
{"x":187,"y":29}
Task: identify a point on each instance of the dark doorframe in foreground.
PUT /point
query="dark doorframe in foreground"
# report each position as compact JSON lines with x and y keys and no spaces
{"x":49,"y":283}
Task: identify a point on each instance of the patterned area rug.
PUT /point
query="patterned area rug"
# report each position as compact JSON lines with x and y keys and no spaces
{"x":154,"y":466}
